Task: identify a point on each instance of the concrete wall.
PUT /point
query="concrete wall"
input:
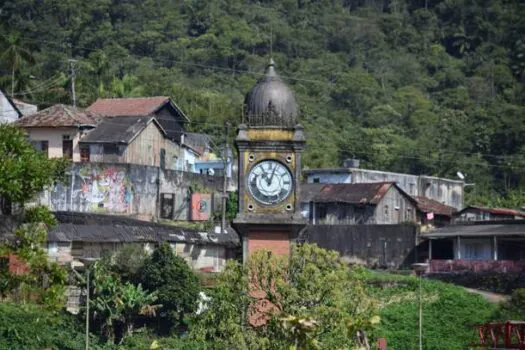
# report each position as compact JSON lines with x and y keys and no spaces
{"x":8,"y":113}
{"x":125,"y":189}
{"x":210,"y":258}
{"x":389,"y":246}
{"x":330,"y":178}
{"x":25,"y":108}
{"x":202,"y":257}
{"x":55,"y":137}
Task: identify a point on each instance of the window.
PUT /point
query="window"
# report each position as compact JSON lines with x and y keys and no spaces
{"x":42,"y":146}
{"x":167,"y":201}
{"x":316,"y":180}
{"x":387,"y":212}
{"x":110,"y":149}
{"x":84,"y":153}
{"x":67,"y":147}
{"x":322,"y":211}
{"x":408,"y":215}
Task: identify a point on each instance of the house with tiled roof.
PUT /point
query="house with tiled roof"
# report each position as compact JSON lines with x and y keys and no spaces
{"x":164,"y":109}
{"x":58,"y":129}
{"x":130,"y":140}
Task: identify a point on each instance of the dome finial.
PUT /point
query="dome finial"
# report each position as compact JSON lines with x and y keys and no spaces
{"x":270,"y":69}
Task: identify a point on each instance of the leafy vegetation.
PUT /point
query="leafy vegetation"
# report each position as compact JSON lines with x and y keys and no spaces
{"x":419,"y":86}
{"x":448,"y":311}
{"x":309,"y":302}
{"x":24,"y":171}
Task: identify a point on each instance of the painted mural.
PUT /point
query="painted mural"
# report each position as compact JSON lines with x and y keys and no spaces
{"x":105,"y":189}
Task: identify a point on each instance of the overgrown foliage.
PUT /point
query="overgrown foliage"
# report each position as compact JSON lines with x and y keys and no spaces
{"x":316,"y":302}
{"x":117,"y":304}
{"x":24,"y":171}
{"x":175,"y":285}
{"x":427,"y":87}
{"x":41,"y":279}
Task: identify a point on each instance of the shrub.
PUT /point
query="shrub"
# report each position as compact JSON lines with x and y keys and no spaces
{"x":176,"y":285}
{"x":315,"y":302}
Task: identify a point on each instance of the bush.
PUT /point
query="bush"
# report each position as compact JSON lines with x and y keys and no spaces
{"x":176,"y":285}
{"x":312,"y":301}
{"x":514,"y":309}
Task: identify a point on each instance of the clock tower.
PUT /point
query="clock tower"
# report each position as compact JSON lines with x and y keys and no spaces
{"x":270,"y":143}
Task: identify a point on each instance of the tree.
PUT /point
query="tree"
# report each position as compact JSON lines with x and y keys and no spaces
{"x":117,"y":304}
{"x":24,"y":171}
{"x":14,"y":54}
{"x":177,"y":287}
{"x":311,"y":300}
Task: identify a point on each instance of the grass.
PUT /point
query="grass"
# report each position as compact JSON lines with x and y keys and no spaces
{"x":448,"y":311}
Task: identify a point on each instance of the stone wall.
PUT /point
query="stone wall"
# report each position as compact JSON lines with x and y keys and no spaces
{"x":376,"y":246}
{"x":126,"y":189}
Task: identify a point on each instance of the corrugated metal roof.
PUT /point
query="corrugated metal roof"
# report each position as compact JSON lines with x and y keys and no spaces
{"x":427,"y":205}
{"x":309,"y":191}
{"x":108,"y":228}
{"x":509,"y":228}
{"x":361,"y":193}
{"x":119,"y":130}
{"x":495,"y":211}
{"x":117,"y":107}
{"x":59,"y":116}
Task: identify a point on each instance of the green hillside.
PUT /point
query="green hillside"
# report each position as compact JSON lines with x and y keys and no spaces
{"x":431,"y":86}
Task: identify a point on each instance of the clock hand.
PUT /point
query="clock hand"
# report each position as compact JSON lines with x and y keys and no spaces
{"x":273,"y":173}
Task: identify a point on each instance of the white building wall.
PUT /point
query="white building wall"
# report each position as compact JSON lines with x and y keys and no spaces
{"x":8,"y":113}
{"x":54,"y":137}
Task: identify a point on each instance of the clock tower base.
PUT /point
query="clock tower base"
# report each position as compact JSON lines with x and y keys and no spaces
{"x":276,"y":236}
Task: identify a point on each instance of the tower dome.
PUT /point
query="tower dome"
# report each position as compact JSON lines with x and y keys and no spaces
{"x":270,"y":102}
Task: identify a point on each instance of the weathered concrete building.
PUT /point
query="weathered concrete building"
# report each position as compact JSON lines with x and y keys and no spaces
{"x":9,"y":111}
{"x":350,"y":204}
{"x":80,"y":235}
{"x":445,"y":191}
{"x":127,"y":189}
{"x":58,"y":129}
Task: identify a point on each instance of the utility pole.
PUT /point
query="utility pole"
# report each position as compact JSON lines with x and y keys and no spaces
{"x":225,"y":175}
{"x":72,"y":73}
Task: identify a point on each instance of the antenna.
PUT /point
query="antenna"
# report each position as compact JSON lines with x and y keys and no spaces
{"x":271,"y":40}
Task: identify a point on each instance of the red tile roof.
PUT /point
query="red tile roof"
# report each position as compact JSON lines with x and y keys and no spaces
{"x":59,"y":116}
{"x":118,"y":107}
{"x":427,"y":205}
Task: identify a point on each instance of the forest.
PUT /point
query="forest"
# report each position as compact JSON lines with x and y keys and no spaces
{"x":423,"y":86}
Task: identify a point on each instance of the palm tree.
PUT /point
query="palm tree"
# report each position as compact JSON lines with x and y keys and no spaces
{"x":14,"y":54}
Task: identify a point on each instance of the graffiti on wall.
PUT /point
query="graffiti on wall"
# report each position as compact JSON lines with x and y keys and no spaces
{"x":107,"y":189}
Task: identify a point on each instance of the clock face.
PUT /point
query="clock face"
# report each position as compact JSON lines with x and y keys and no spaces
{"x":270,"y":182}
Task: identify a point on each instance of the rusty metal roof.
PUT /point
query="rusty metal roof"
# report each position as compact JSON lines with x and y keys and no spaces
{"x":360,"y":193}
{"x":494,"y":211}
{"x":59,"y":116}
{"x":310,"y":191}
{"x":427,"y":205}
